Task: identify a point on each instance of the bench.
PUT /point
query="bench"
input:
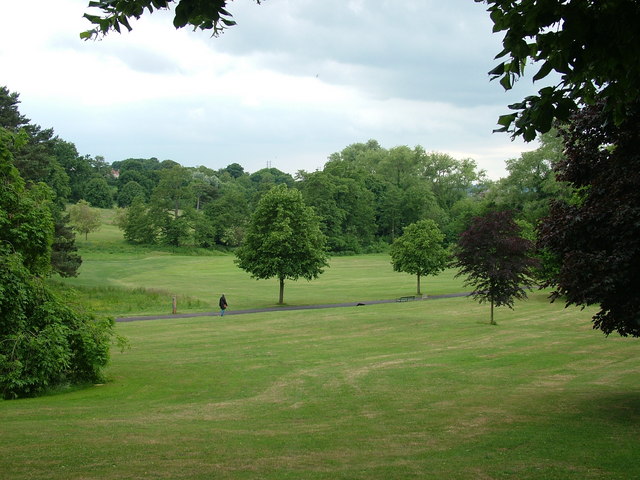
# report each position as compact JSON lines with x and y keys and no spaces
{"x":406,"y":299}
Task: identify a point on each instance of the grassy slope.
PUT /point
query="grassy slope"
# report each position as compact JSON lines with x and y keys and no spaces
{"x":412,"y":390}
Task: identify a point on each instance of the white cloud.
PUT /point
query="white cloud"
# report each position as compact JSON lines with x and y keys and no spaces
{"x":293,"y":82}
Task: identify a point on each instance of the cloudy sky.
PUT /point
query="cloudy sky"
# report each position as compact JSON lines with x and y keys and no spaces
{"x":293,"y":82}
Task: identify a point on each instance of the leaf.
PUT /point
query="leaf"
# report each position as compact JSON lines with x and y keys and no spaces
{"x":506,"y":120}
{"x":497,"y":71}
{"x":506,"y":82}
{"x":93,"y":18}
{"x":545,"y":69}
{"x":125,"y":21}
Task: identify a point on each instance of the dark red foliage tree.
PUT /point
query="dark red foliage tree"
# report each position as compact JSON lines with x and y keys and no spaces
{"x":597,"y":235}
{"x":495,"y":259}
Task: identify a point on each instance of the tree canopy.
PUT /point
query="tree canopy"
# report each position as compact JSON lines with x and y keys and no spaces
{"x":592,"y":46}
{"x":283,"y":239}
{"x":44,"y":158}
{"x":419,"y":251}
{"x":43,"y":342}
{"x":596,"y":233}
{"x":117,"y":14}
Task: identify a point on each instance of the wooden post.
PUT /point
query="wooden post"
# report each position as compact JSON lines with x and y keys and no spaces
{"x":175,"y":305}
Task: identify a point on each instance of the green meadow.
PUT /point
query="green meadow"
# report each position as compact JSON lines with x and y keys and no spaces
{"x":121,"y":280}
{"x":423,"y":389}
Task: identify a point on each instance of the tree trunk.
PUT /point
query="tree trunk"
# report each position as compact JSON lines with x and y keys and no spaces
{"x":492,"y":320}
{"x":281,"y":301}
{"x":419,"y":285}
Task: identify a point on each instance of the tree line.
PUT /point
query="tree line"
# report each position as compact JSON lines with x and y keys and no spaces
{"x":365,"y":195}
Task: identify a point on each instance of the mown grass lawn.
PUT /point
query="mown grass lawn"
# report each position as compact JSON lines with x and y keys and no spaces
{"x":123,"y":280}
{"x":199,"y":281}
{"x":394,"y":391}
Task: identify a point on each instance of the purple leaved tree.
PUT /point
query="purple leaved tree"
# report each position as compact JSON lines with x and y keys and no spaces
{"x":495,"y":259}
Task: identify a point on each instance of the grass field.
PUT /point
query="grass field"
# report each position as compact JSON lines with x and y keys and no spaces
{"x":423,"y":389}
{"x":414,"y":390}
{"x":112,"y":271}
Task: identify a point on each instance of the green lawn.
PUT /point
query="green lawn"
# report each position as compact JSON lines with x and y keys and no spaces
{"x":348,"y":279}
{"x":423,"y":389}
{"x":394,"y":391}
{"x":199,"y":280}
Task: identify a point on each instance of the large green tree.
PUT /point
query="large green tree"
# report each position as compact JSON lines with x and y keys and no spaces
{"x":77,"y":168}
{"x":419,"y":251}
{"x":345,"y":207}
{"x":128,"y":192}
{"x":224,"y":219}
{"x":283,"y":239}
{"x":38,"y":160}
{"x":26,"y":222}
{"x":98,"y":193}
{"x":450,"y":179}
{"x":43,"y":342}
{"x":143,"y":171}
{"x":137,"y":223}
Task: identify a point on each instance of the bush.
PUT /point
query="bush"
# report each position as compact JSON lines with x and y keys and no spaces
{"x":45,"y":343}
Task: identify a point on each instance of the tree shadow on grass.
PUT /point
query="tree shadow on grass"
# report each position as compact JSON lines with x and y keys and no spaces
{"x":620,"y":407}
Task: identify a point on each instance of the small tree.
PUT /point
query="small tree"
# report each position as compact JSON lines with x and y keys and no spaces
{"x":84,"y":219}
{"x":496,"y":260}
{"x":136,"y":223}
{"x":65,"y":260}
{"x":283,"y":239}
{"x":419,"y":251}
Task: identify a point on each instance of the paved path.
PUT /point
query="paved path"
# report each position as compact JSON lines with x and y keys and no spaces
{"x":282,"y":309}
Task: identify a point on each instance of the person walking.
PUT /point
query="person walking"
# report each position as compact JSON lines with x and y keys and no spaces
{"x":223,"y":305}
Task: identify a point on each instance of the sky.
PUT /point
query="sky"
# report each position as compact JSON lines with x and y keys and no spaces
{"x":293,"y":82}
